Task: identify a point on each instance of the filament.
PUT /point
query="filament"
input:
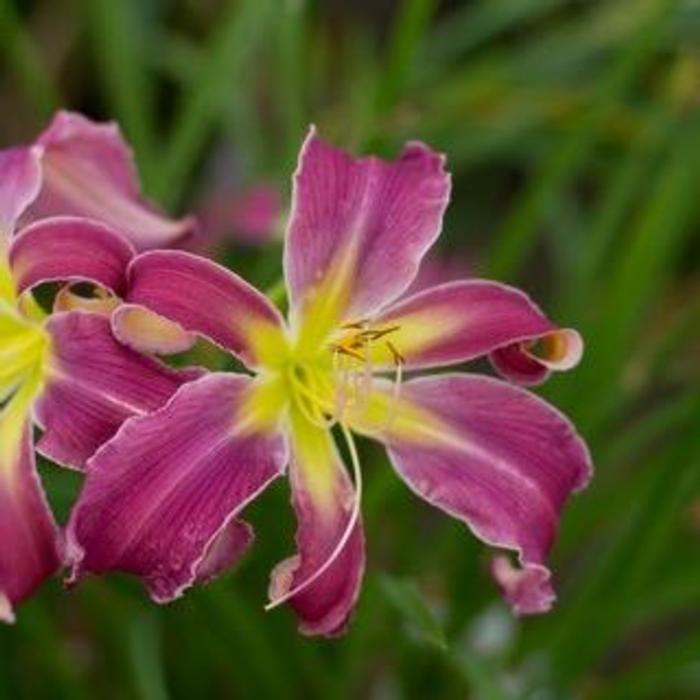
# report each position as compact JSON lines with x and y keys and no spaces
{"x":341,"y":392}
{"x":313,"y":412}
{"x":347,"y":532}
{"x":396,"y":389}
{"x":355,"y":348}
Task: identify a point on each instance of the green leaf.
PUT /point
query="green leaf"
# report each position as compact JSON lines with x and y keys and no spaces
{"x":406,"y":599}
{"x":25,"y":61}
{"x":520,"y":228}
{"x":230,"y":47}
{"x":120,"y":33}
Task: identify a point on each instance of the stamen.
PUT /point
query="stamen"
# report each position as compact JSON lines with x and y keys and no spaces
{"x":367,"y":374}
{"x":352,"y":521}
{"x":341,"y":392}
{"x":379,"y":333}
{"x":398,"y":357}
{"x":399,"y":362}
{"x":355,"y":325}
{"x":349,"y":350}
{"x":356,"y":346}
{"x":314,"y":412}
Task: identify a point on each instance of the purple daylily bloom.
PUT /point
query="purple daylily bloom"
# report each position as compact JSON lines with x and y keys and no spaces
{"x":249,"y":217}
{"x":163,"y":499}
{"x":65,"y":373}
{"x":87,"y":169}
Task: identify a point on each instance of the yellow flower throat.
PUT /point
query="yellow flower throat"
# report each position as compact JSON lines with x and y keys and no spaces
{"x":325,"y":383}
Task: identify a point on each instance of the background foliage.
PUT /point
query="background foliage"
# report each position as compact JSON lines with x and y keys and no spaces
{"x":573,"y":132}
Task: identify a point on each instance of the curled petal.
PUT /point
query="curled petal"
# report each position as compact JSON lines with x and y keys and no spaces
{"x":20,"y":180}
{"x":463,"y":320}
{"x":558,"y":350}
{"x":162,"y":499}
{"x":492,"y":455}
{"x":94,"y":384}
{"x":88,"y":170}
{"x":70,"y":249}
{"x":360,"y":226}
{"x":102,"y":302}
{"x":29,"y":540}
{"x":203,"y":297}
{"x":147,"y":331}
{"x":324,"y":499}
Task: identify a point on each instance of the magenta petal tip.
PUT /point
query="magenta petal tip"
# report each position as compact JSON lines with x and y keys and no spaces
{"x":7,"y":614}
{"x":88,"y":169}
{"x":528,"y":590}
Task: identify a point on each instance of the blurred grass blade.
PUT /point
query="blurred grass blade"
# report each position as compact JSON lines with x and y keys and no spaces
{"x":145,"y":655}
{"x":467,"y":27}
{"x":264,"y":668}
{"x":25,"y":61}
{"x":639,"y":437}
{"x":610,"y":587}
{"x":620,"y":194}
{"x":406,"y":599}
{"x":518,"y":232}
{"x":241,"y":30}
{"x":668,"y":671}
{"x":642,"y":266}
{"x":409,"y":29}
{"x":408,"y":602}
{"x":120,"y":33}
{"x":290,"y":78}
{"x":52,"y":661}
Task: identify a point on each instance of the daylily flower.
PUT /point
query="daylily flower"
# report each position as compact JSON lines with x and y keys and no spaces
{"x":87,"y":169}
{"x":163,"y":499}
{"x":66,"y":373}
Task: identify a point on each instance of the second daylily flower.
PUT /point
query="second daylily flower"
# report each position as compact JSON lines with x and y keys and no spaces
{"x":65,"y":372}
{"x":87,"y":169}
{"x":164,"y":498}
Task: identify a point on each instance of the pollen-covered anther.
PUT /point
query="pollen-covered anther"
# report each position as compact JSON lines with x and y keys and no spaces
{"x":357,"y":342}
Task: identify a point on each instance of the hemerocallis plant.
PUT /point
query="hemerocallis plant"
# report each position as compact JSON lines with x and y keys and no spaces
{"x":164,"y":498}
{"x":63,"y":372}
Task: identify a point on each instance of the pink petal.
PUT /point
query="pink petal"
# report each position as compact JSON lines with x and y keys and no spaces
{"x":88,"y":170}
{"x":28,"y":534}
{"x":161,"y":500}
{"x":463,"y":320}
{"x":70,"y":249}
{"x":20,"y":179}
{"x":362,"y":218}
{"x":496,"y":457}
{"x":95,"y":384}
{"x":323,"y":513}
{"x":202,"y":297}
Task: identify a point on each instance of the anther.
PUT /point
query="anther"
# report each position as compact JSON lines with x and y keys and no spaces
{"x":397,"y":356}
